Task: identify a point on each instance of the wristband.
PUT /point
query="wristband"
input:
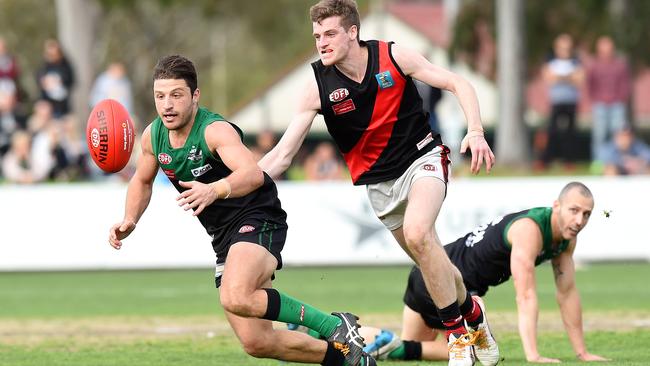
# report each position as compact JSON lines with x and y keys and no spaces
{"x":226,"y":188}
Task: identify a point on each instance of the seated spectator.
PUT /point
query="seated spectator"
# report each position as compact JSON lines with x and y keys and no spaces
{"x":23,"y":163}
{"x":71,"y":151}
{"x":323,"y":164}
{"x":625,"y":154}
{"x":48,"y":138}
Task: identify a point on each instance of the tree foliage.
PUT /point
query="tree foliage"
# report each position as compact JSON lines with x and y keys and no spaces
{"x":257,"y":40}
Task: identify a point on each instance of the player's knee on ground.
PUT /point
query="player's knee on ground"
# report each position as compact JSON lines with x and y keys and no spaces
{"x":236,"y":302}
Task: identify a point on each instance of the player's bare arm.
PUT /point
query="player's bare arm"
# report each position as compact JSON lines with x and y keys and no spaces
{"x":138,"y":193}
{"x":279,"y":158}
{"x":526,"y":240}
{"x":246,"y":176}
{"x":568,"y":299}
{"x":415,"y":65}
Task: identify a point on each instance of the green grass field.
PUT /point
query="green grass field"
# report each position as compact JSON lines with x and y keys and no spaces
{"x":174,"y":317}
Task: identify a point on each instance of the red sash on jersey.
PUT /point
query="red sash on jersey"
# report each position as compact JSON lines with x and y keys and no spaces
{"x":373,"y":141}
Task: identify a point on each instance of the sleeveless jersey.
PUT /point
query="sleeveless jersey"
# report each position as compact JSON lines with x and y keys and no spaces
{"x":379,"y":125}
{"x":483,"y":256}
{"x":195,"y":161}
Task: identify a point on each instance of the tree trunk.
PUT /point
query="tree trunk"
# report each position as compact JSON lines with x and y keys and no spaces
{"x":512,"y":146}
{"x":76,"y":28}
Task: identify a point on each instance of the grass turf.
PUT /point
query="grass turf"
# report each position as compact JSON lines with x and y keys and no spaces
{"x":174,"y":317}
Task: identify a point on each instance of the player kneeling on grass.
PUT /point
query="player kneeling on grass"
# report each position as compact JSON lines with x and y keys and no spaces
{"x":510,"y":245}
{"x":217,"y":177}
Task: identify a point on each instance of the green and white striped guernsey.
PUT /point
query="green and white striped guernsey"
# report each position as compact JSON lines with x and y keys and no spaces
{"x":195,"y":161}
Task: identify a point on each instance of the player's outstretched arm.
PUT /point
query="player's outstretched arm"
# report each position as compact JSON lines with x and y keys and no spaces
{"x":279,"y":158}
{"x":246,"y":176}
{"x":569,"y":300}
{"x":138,"y":193}
{"x":415,"y":65}
{"x":526,"y":240}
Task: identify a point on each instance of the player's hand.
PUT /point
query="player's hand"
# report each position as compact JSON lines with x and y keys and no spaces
{"x":197,"y":196}
{"x":120,"y":231}
{"x":480,"y":151}
{"x":589,"y":357}
{"x":540,"y":359}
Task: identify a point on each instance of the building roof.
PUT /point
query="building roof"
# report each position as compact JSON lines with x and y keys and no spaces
{"x":428,"y":18}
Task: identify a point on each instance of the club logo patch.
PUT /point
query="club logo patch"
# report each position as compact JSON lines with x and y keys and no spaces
{"x":339,"y":94}
{"x":429,"y":167}
{"x":385,"y":79}
{"x":197,"y":172}
{"x":164,"y":158}
{"x":94,"y":137}
{"x":194,"y":155}
{"x":343,"y":107}
{"x":246,"y":229}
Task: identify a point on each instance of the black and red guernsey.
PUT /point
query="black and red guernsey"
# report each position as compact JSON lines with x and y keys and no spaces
{"x":379,"y":124}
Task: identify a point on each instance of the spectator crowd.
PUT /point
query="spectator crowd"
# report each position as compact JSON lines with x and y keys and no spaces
{"x":40,"y":138}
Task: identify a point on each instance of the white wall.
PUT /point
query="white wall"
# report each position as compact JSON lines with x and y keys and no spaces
{"x":66,"y":226}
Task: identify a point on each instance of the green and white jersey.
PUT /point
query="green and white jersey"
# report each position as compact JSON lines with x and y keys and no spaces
{"x":194,"y":161}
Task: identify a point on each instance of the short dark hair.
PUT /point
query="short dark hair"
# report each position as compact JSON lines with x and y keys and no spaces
{"x":346,"y":9}
{"x":176,"y":67}
{"x":584,"y":191}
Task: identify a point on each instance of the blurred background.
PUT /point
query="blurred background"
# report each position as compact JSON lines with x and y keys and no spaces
{"x":563,"y":89}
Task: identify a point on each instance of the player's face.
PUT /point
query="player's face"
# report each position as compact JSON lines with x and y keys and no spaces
{"x":573,"y":211}
{"x":332,"y":41}
{"x":175,"y":103}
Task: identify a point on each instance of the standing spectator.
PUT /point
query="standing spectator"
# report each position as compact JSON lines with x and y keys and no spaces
{"x":625,"y":154}
{"x":114,"y":84}
{"x":10,"y":72}
{"x":8,"y":65}
{"x":55,"y":78}
{"x":608,"y":84}
{"x":323,"y":164}
{"x":564,"y":75}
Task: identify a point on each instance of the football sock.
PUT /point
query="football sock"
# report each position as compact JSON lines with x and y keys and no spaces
{"x":333,"y":357}
{"x":315,"y":334}
{"x":471,"y":312}
{"x":408,"y":350}
{"x":286,"y":309}
{"x":451,"y":319}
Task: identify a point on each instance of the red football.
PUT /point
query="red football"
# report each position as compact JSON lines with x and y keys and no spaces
{"x":110,"y":135}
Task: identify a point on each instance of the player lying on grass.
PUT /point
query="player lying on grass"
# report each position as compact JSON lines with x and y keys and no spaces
{"x":509,"y":245}
{"x":217,"y":177}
